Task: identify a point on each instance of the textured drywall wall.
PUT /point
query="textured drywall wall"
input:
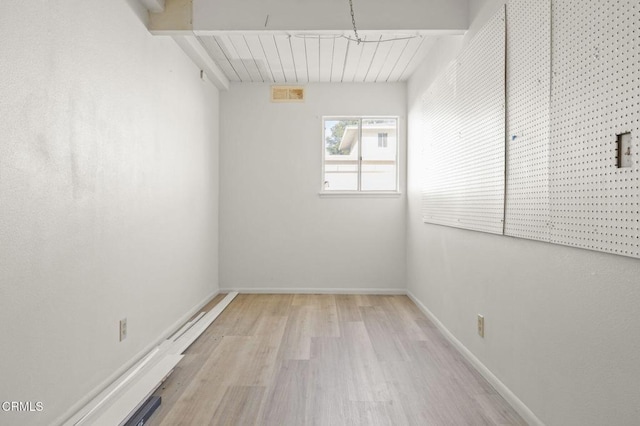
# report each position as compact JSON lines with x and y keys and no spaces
{"x":108,"y":196}
{"x":561,"y":323}
{"x":275,"y":231}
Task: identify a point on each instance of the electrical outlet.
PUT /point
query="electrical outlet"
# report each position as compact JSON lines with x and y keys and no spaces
{"x":123,"y":329}
{"x":480,"y":325}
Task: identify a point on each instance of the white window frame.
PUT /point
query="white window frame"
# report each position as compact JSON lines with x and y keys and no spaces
{"x":360,"y":192}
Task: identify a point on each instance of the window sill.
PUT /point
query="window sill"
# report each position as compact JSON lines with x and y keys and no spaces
{"x":359,"y":194}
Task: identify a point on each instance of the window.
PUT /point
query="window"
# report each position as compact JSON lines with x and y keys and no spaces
{"x":360,"y":154}
{"x":382,"y":140}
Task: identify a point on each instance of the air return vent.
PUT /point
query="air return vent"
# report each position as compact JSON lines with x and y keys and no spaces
{"x":287,"y":94}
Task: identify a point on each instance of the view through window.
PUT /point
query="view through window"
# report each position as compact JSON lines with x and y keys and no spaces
{"x":360,"y":154}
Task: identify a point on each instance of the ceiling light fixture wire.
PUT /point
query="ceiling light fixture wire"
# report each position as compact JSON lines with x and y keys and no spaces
{"x":409,"y":37}
{"x":357,"y":37}
{"x":353,"y":21}
{"x":359,"y":41}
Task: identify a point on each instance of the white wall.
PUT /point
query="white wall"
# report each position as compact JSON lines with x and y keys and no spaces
{"x":108,"y":189}
{"x":275,"y":230}
{"x":561,"y":323}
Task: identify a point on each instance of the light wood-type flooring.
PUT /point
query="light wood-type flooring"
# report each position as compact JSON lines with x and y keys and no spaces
{"x":294,"y":360}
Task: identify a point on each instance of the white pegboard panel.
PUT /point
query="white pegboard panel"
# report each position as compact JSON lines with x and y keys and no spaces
{"x":595,"y":96}
{"x":464,"y":147}
{"x":528,"y":106}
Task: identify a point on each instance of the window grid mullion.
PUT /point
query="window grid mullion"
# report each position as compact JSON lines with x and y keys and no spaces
{"x":359,"y":154}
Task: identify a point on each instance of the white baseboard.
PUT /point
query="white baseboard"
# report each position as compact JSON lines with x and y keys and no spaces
{"x":300,"y":290}
{"x":500,"y":387}
{"x":73,"y":410}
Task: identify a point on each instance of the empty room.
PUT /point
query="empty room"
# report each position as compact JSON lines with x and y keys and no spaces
{"x":322,"y":212}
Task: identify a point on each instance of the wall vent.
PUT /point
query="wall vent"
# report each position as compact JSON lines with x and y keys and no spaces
{"x":287,"y":94}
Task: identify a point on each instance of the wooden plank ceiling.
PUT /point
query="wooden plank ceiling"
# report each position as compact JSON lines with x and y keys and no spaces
{"x":303,"y":58}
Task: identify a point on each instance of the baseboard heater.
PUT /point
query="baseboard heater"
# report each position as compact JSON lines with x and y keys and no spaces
{"x":120,"y":402}
{"x":142,"y":415}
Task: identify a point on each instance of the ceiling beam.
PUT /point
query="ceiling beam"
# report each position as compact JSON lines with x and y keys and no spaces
{"x":201,"y":58}
{"x":203,"y":16}
{"x":176,"y":18}
{"x":155,"y":6}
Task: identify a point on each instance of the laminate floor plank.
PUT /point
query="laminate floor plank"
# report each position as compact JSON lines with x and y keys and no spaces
{"x":235,"y":361}
{"x":403,"y":319}
{"x":364,"y":413}
{"x":499,"y":411}
{"x":367,"y":381}
{"x":296,"y":342}
{"x":334,"y":360}
{"x":275,"y":304}
{"x":239,"y":321}
{"x":173,"y":388}
{"x":386,"y":342}
{"x":329,"y":370}
{"x":240,"y":405}
{"x":202,"y":396}
{"x":366,"y":300}
{"x":289,"y":397}
{"x":325,"y":319}
{"x":347,"y":308}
